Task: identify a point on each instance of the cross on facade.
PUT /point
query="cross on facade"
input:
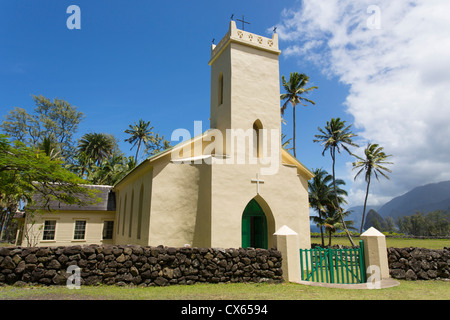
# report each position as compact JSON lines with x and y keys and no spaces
{"x":243,"y":22}
{"x":257,"y":181}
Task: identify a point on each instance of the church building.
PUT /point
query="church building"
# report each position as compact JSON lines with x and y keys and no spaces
{"x":231,"y":186}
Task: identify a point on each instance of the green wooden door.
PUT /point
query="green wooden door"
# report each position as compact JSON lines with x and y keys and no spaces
{"x":254,"y":226}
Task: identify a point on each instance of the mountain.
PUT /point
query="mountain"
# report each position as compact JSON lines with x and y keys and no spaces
{"x":427,"y":198}
{"x":357,"y":212}
{"x":373,"y":219}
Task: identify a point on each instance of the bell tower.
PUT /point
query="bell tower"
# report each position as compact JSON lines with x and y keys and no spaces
{"x":245,"y":84}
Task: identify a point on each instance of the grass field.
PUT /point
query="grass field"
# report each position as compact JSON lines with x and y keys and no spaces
{"x":393,"y":242}
{"x":407,"y":290}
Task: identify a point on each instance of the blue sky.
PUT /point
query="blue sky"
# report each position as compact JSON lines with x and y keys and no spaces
{"x":149,"y":59}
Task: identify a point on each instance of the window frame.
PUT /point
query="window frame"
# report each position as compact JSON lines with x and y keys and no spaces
{"x":44,"y":231}
{"x":105,"y":229}
{"x":75,"y":230}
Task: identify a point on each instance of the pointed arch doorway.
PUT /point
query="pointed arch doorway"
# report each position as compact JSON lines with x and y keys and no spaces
{"x":254,"y":226}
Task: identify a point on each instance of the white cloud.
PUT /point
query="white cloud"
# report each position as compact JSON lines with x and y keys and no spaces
{"x":399,"y":78}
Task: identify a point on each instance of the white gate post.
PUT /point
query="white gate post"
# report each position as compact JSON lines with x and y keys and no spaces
{"x":375,"y":253}
{"x":286,"y":241}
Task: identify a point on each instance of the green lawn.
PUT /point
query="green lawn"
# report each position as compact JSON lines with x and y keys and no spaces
{"x":407,"y":290}
{"x":393,"y":242}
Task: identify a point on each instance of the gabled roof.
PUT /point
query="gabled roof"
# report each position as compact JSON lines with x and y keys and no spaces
{"x":162,"y":154}
{"x":288,"y":158}
{"x":105,"y":193}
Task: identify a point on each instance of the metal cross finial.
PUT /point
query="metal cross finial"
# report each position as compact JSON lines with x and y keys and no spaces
{"x":275,"y":30}
{"x":232,"y":16}
{"x":243,"y":22}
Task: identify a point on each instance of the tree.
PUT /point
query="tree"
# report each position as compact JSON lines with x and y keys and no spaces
{"x":97,"y":146}
{"x":81,"y":165}
{"x":390,"y":224}
{"x":156,"y":145}
{"x":140,"y":132}
{"x":320,"y":194}
{"x":285,"y":143}
{"x":336,"y":135}
{"x":295,"y":89}
{"x":333,"y":221}
{"x":50,"y":148}
{"x":28,"y":175}
{"x":112,"y":170}
{"x":435,"y":223}
{"x":56,"y":119}
{"x":372,"y":164}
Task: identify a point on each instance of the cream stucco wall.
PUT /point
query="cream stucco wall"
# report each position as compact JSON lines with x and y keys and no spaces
{"x":129,"y":203}
{"x":250,"y":71}
{"x":251,"y":93}
{"x":201,"y":203}
{"x":283,"y":197}
{"x":180,"y":200}
{"x":65,"y":227}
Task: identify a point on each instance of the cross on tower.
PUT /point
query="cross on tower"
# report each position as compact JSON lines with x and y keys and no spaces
{"x":243,"y":22}
{"x":257,"y":181}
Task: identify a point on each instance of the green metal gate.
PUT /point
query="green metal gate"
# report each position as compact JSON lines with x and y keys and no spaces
{"x":333,"y":265}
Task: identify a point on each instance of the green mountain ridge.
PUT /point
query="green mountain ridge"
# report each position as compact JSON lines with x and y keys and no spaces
{"x":426,"y":198}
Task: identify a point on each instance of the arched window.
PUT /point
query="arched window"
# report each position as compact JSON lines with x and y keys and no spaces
{"x":141,"y":199}
{"x":220,"y":90}
{"x":124,"y":215}
{"x":131,"y":214}
{"x":120,"y":212}
{"x":257,"y":138}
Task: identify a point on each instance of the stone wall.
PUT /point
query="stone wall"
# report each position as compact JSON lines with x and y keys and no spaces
{"x":419,"y":263}
{"x":148,"y":266}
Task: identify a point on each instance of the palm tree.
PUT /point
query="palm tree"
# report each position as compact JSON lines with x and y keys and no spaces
{"x":139,"y":132}
{"x":320,"y":193}
{"x":334,"y":221}
{"x":96,"y":146}
{"x":295,"y":88}
{"x":285,"y":143}
{"x":50,"y":148}
{"x":109,"y":171}
{"x":81,"y":165}
{"x":156,"y":144}
{"x":372,"y":164}
{"x":333,"y":137}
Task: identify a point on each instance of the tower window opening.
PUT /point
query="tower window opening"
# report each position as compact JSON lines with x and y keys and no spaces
{"x":220,"y":89}
{"x":257,"y":126}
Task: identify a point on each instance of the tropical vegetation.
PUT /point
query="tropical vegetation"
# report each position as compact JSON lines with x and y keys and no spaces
{"x":29,"y":176}
{"x":294,"y":94}
{"x":333,"y":137}
{"x":140,"y":132}
{"x":373,"y":164}
{"x":435,"y":224}
{"x":41,"y":147}
{"x":321,"y":199}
